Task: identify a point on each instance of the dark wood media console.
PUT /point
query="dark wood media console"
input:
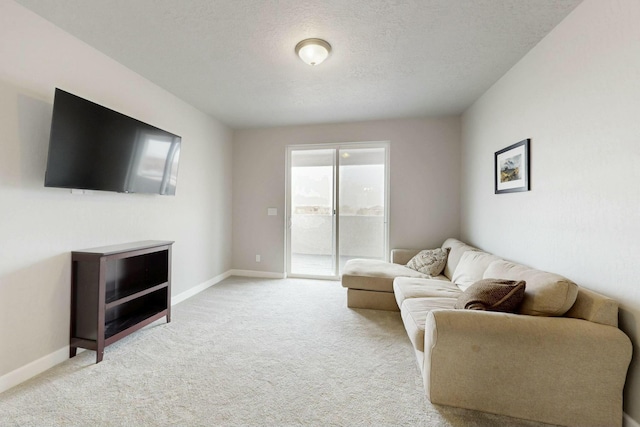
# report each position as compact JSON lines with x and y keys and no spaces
{"x":116,"y":290}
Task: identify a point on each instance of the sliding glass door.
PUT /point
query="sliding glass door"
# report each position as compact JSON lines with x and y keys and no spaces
{"x":312,"y":228}
{"x":336,"y":207}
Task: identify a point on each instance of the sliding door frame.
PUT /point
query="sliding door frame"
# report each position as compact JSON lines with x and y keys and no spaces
{"x":337,"y":147}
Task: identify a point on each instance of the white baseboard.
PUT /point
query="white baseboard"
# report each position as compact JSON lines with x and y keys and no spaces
{"x":264,"y":274}
{"x":627,"y":421}
{"x":32,"y":369}
{"x":37,"y":367}
{"x":199,"y":288}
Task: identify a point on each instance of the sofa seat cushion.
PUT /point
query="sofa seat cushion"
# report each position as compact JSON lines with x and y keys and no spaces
{"x":414,"y":314}
{"x":407,"y":287}
{"x":547,"y":294}
{"x":374,"y":275}
{"x":471,"y":267}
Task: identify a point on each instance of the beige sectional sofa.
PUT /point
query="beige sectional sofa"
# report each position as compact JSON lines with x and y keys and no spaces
{"x":561,"y":359}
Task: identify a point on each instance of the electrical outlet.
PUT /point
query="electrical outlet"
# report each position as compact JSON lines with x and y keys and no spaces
{"x":257,"y":258}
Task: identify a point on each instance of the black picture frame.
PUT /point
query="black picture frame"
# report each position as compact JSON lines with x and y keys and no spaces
{"x":512,"y":168}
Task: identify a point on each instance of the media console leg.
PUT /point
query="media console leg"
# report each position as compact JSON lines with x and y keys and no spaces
{"x":72,"y":351}
{"x":99,"y":355}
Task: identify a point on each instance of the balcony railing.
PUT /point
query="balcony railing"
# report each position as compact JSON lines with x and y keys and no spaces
{"x":361,"y":236}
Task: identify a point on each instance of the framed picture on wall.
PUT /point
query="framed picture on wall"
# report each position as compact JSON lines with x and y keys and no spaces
{"x":512,"y":168}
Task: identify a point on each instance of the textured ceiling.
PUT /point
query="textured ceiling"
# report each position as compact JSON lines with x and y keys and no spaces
{"x":235,"y":59}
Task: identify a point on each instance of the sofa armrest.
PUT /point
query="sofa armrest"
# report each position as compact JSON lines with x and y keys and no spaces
{"x":552,"y":369}
{"x":403,"y":256}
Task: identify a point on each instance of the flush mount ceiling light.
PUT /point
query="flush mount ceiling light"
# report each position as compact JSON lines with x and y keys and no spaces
{"x":313,"y":51}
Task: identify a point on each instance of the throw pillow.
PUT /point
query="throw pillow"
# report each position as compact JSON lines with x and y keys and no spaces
{"x":493,"y":295}
{"x":429,"y":261}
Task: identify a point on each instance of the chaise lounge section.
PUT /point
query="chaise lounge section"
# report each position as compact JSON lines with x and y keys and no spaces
{"x":560,"y":359}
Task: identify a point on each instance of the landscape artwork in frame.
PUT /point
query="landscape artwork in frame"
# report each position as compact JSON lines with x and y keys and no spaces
{"x":512,"y":168}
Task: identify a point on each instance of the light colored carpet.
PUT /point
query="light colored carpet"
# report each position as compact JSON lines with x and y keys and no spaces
{"x":246,"y":352}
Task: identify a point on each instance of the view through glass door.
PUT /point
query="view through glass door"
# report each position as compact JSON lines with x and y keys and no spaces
{"x":337,"y":207}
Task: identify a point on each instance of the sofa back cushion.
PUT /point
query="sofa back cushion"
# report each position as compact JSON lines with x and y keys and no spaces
{"x":457,"y":248}
{"x":471,"y":268}
{"x":547,"y":294}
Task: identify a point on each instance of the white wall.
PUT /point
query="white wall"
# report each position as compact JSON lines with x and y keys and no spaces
{"x":577,"y":96}
{"x":40,"y":226}
{"x":425,"y":166}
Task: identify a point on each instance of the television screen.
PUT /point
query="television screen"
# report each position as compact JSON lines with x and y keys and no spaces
{"x":92,"y":147}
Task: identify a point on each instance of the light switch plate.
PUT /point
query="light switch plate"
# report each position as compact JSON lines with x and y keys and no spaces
{"x":272,"y":211}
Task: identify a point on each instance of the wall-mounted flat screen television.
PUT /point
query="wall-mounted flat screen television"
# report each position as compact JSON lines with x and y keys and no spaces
{"x":94,"y":148}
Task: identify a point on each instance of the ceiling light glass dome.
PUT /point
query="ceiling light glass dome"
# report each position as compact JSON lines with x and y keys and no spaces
{"x":313,"y":51}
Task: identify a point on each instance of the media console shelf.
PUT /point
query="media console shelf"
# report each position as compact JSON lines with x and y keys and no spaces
{"x":116,"y":290}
